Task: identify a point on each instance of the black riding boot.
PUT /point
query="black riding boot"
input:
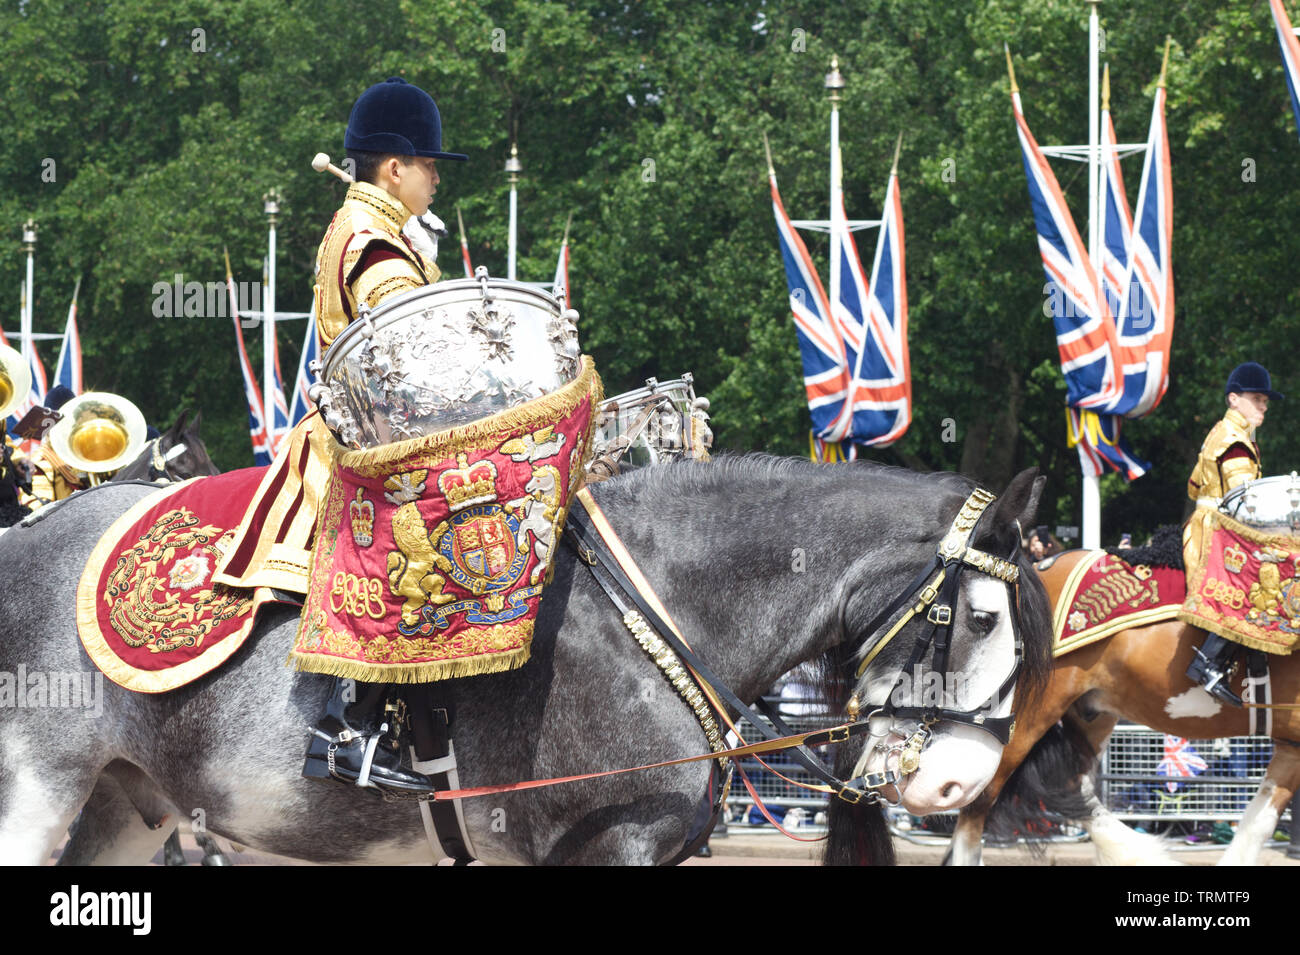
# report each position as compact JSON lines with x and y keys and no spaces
{"x":1211,"y":667}
{"x":357,"y":742}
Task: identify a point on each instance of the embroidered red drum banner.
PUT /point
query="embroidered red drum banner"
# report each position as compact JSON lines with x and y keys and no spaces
{"x":1246,"y":589}
{"x":431,"y":554}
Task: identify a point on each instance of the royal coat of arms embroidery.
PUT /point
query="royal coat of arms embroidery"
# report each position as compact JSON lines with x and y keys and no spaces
{"x":463,"y":538}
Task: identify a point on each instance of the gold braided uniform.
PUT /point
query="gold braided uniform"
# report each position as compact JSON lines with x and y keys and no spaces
{"x":52,"y":478}
{"x":363,"y":260}
{"x":1215,"y":474}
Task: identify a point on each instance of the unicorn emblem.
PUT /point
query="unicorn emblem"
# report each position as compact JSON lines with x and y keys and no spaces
{"x":541,"y":514}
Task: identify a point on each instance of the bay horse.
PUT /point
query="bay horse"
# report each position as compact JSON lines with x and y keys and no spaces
{"x":763,"y":563}
{"x":1139,"y":675}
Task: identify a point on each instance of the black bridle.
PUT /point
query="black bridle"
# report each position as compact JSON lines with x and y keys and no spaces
{"x":936,"y":588}
{"x":593,"y":539}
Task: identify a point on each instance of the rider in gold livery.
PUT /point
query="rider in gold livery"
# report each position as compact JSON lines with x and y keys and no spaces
{"x":394,"y":137}
{"x":1229,"y":458}
{"x":52,"y":479}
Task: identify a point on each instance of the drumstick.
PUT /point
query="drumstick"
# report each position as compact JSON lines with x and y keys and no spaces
{"x":321,"y":162}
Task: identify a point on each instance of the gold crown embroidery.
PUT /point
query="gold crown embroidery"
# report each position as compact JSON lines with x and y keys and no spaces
{"x":363,"y":520}
{"x":469,"y":484}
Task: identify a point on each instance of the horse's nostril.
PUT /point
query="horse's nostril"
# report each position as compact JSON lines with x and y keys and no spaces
{"x":951,"y":790}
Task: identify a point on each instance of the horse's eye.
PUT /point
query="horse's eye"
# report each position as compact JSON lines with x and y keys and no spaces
{"x":984,"y":620}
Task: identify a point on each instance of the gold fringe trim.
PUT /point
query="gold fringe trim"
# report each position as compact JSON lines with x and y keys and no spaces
{"x":1236,"y":636}
{"x":409,"y":672}
{"x":1143,"y":618}
{"x":536,"y":413}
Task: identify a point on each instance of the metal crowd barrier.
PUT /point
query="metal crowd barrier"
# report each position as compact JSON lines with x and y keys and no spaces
{"x":1224,"y":776}
{"x":1131,"y":783}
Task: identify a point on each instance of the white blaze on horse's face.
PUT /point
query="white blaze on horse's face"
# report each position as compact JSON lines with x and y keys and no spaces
{"x":960,"y":760}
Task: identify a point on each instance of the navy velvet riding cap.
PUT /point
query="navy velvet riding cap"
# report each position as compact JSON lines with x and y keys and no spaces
{"x":58,"y":396}
{"x":396,"y":118}
{"x":1251,"y":377}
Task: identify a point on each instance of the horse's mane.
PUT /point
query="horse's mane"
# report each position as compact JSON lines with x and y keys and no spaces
{"x":1165,"y":549}
{"x":727,"y":470}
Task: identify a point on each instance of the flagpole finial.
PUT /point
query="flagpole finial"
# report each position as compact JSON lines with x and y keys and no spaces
{"x":834,"y":81}
{"x":1011,"y":70}
{"x":1105,"y":88}
{"x":898,"y":148}
{"x":767,"y":150}
{"x":29,"y":235}
{"x":513,"y":166}
{"x":568,"y":222}
{"x":1164,"y":67}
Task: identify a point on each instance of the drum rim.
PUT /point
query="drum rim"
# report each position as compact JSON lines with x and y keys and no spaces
{"x":645,"y":389}
{"x":1232,"y":502}
{"x":335,"y":354}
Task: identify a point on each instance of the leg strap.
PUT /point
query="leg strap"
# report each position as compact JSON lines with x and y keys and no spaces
{"x":434,"y":754}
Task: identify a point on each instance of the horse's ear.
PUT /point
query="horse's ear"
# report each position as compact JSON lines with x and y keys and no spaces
{"x":1019,"y":502}
{"x":198,"y":418}
{"x":179,"y":426}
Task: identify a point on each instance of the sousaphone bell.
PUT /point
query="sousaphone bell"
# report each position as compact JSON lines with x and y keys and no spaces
{"x":99,"y":433}
{"x":15,"y":380}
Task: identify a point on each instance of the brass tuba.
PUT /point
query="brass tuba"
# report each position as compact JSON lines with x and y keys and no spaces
{"x":99,"y":434}
{"x":15,"y":380}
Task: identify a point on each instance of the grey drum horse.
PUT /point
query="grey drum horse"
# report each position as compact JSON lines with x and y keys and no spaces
{"x":764,"y":563}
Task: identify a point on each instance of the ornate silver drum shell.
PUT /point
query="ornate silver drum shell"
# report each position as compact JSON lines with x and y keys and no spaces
{"x":442,"y":356}
{"x":1271,"y":503}
{"x":653,"y":424}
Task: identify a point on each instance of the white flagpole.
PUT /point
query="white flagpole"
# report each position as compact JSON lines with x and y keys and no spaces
{"x":513,"y":168}
{"x":835,"y":83}
{"x":1092,"y":485}
{"x":271,"y":205}
{"x":29,"y":238}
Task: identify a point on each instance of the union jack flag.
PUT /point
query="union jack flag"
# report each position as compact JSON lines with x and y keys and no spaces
{"x":302,"y":403}
{"x":281,"y":422}
{"x":1101,"y":445}
{"x":68,"y":370}
{"x":1286,"y":38}
{"x":821,"y":347}
{"x":1117,"y":219}
{"x":39,"y":383}
{"x":1085,"y":330}
{"x":464,"y":246}
{"x":1180,"y":760}
{"x":561,"y":280}
{"x":882,"y":376}
{"x":256,"y":415}
{"x":1145,"y":320}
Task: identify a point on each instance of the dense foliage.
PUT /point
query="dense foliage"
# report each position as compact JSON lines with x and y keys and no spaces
{"x":167,"y":122}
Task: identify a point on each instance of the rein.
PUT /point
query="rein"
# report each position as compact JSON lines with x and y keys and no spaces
{"x":599,"y":547}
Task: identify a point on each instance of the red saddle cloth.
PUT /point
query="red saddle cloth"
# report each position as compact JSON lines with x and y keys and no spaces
{"x":148,"y":613}
{"x":1104,"y":595}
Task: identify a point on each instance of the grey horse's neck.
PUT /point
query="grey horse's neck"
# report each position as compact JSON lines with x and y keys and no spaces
{"x":786,"y":557}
